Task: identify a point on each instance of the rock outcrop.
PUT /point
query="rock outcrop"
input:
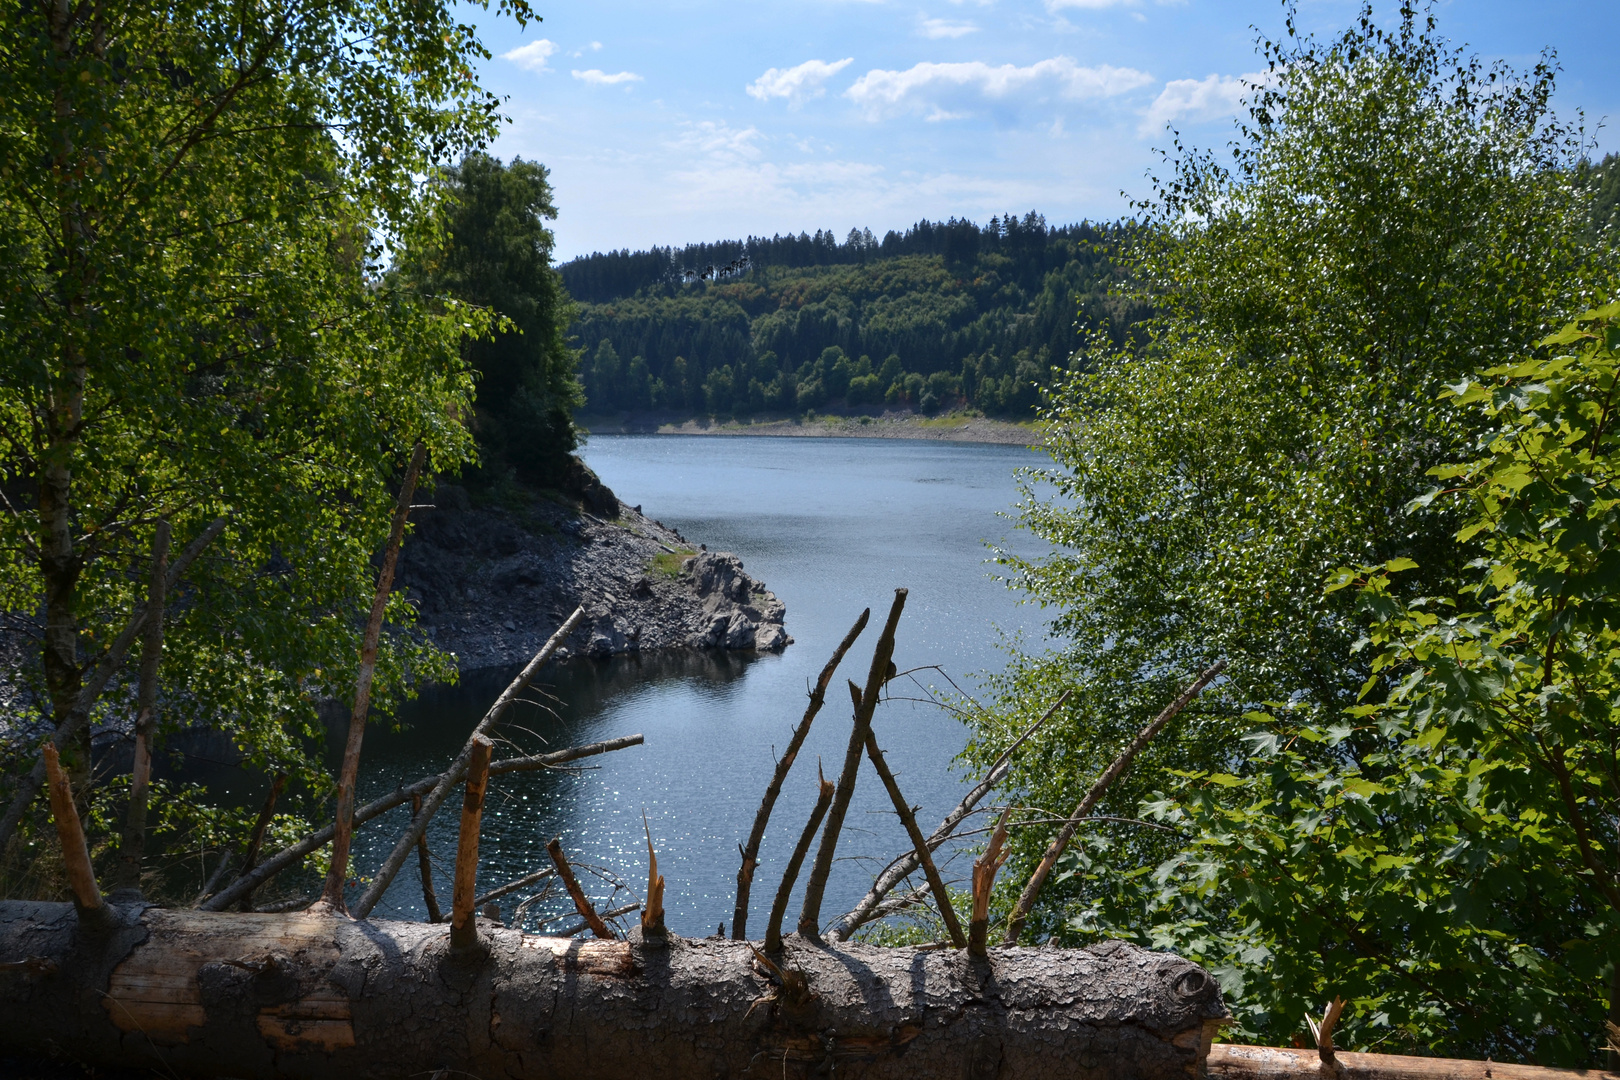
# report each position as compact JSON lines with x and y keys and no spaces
{"x":492,"y":581}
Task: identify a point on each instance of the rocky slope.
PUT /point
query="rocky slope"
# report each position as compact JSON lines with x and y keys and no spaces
{"x":492,"y":581}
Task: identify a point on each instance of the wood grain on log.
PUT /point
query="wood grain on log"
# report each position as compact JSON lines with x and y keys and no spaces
{"x":252,"y":995}
{"x":1228,"y":1062}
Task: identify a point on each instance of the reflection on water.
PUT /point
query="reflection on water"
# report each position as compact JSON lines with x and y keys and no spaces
{"x":831,"y":526}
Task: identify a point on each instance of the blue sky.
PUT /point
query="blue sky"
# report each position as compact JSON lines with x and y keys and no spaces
{"x":688,"y":120}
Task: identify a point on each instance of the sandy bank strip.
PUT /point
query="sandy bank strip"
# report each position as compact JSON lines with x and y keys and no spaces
{"x":974,"y":429}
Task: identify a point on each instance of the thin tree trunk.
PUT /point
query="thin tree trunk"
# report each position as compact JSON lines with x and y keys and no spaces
{"x":424,"y":864}
{"x":784,"y":891}
{"x":319,"y":839}
{"x":906,"y":863}
{"x":267,"y":813}
{"x":133,"y":847}
{"x":458,"y":768}
{"x":1026,"y":901}
{"x":876,"y":677}
{"x":349,"y":775}
{"x":756,"y":835}
{"x":78,"y":718}
{"x":942,"y":898}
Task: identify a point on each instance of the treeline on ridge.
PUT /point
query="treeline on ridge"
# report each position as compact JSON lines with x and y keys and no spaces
{"x":946,"y":314}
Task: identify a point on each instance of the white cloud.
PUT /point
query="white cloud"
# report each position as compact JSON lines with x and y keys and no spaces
{"x":1198,"y":100}
{"x":797,"y":84}
{"x":932,"y":88}
{"x":532,"y":56}
{"x":718,"y":140}
{"x":1092,"y":5}
{"x":597,"y":77}
{"x":934,"y":29}
{"x":596,"y":46}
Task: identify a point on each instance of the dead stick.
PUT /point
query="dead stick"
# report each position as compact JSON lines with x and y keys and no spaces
{"x":425,"y":865}
{"x":349,"y":774}
{"x":905,"y":863}
{"x":514,"y":886}
{"x":256,"y":840}
{"x":919,"y":843}
{"x":463,"y":928}
{"x":652,"y":916}
{"x":984,"y":879}
{"x":810,"y":913}
{"x":458,"y":768}
{"x":97,"y":681}
{"x":582,"y":904}
{"x":75,"y":852}
{"x":399,"y":797}
{"x":756,"y":836}
{"x":1026,"y":901}
{"x":773,"y":928}
{"x":133,"y":847}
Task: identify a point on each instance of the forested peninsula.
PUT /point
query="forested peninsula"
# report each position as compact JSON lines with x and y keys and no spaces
{"x":943,"y":316}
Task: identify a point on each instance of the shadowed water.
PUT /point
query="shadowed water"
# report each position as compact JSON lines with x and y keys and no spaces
{"x":831,"y":526}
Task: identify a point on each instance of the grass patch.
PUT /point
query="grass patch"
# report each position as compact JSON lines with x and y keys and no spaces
{"x":668,"y":563}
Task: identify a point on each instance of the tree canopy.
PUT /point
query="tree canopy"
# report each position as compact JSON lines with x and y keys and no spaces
{"x":197,"y":204}
{"x":1393,"y":217}
{"x":495,"y":252}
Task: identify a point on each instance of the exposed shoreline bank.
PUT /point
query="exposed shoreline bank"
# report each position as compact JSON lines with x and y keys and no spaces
{"x":950,"y":428}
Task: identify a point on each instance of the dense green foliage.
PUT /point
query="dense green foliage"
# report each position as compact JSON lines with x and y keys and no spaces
{"x":1394,"y":219}
{"x":496,"y":253}
{"x":943,"y":315}
{"x":1473,"y":857}
{"x":194,"y":206}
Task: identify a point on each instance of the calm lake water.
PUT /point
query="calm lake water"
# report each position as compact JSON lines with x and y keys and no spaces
{"x":831,"y":526}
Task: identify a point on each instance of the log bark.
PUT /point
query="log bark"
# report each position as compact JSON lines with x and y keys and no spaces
{"x":316,"y":997}
{"x":1228,"y":1062}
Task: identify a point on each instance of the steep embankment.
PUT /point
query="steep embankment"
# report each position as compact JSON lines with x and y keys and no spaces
{"x":491,"y":581}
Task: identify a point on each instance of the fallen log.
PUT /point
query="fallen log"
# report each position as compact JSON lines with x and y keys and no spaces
{"x":316,"y":996}
{"x":1227,"y":1062}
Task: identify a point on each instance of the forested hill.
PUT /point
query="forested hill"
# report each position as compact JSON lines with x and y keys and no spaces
{"x":943,"y":315}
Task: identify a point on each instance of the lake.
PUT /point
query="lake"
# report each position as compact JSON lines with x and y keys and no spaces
{"x":829,"y":525}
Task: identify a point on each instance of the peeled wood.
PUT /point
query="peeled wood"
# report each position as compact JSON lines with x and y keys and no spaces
{"x":1228,"y":1062}
{"x":261,"y":996}
{"x":75,"y":852}
{"x":463,"y":930}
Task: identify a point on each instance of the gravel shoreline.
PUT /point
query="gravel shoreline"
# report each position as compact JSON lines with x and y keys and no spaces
{"x":973,"y":429}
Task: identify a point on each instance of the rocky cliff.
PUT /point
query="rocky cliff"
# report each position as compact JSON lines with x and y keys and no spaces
{"x":492,"y":581}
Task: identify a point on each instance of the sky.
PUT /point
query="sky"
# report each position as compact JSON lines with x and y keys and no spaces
{"x":680,"y":121}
